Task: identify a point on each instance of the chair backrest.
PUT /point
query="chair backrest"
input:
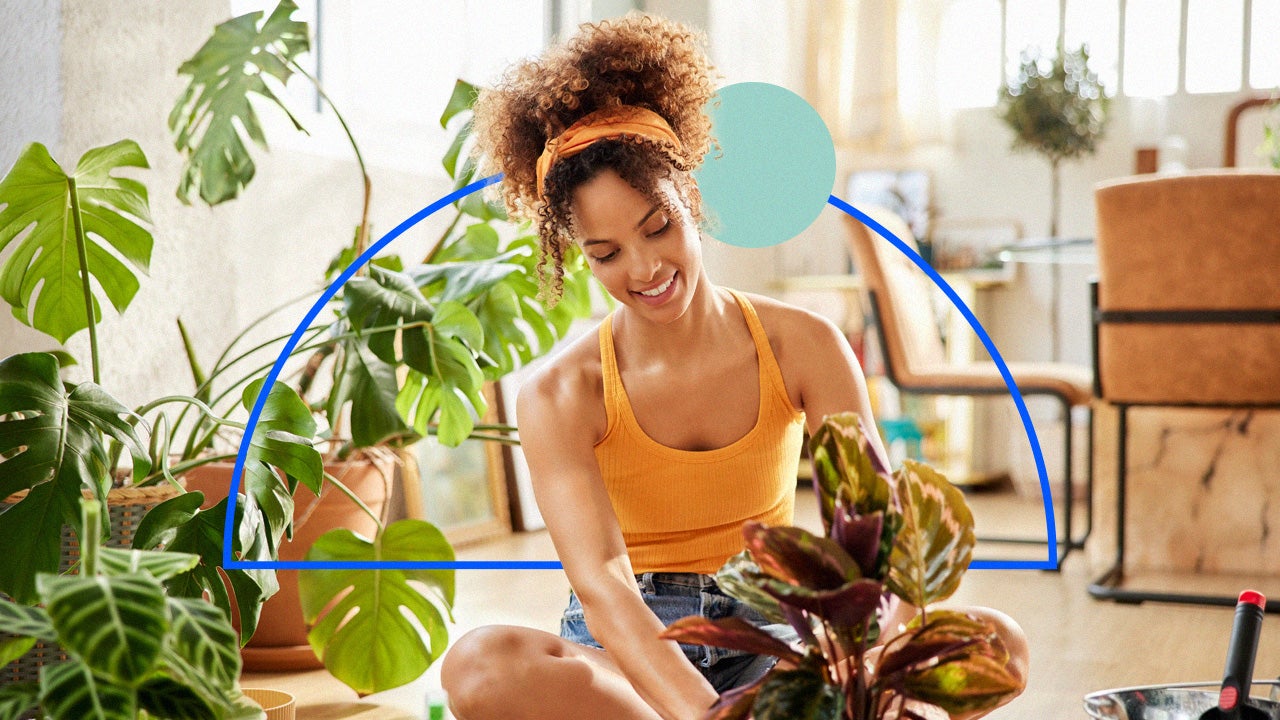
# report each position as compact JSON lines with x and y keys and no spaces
{"x":1204,"y":241}
{"x":902,"y":293}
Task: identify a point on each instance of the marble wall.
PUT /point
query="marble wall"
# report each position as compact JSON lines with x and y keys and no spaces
{"x":1203,"y":490}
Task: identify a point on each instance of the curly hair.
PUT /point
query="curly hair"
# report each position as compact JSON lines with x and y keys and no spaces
{"x":639,"y":60}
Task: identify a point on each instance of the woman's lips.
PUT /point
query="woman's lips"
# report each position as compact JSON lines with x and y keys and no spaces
{"x":663,"y":297}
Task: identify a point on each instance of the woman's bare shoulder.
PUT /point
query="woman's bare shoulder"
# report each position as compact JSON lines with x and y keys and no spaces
{"x":568,"y":387}
{"x":788,"y":325}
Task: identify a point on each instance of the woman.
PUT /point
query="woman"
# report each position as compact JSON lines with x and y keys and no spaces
{"x":652,"y":440}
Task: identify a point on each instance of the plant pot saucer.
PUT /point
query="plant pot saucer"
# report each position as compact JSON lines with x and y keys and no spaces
{"x":286,"y":657}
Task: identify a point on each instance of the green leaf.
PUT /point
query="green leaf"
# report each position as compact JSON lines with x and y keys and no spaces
{"x":453,"y":319}
{"x":846,"y":464}
{"x":214,"y":117}
{"x":13,"y":647}
{"x":369,"y":384}
{"x":366,"y":639}
{"x":26,"y":621}
{"x":36,"y":194}
{"x":157,"y":564}
{"x":204,"y":637}
{"x":159,"y":525}
{"x":164,"y":697}
{"x":935,"y":543}
{"x":281,"y":440}
{"x":17,"y":698}
{"x":70,"y":691}
{"x":116,"y":625}
{"x":450,"y":160}
{"x":461,"y":100}
{"x":737,"y":579}
{"x":52,"y":442}
{"x":799,"y":694}
{"x":183,"y":529}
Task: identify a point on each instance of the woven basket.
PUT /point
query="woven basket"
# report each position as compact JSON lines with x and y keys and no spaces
{"x":126,"y":506}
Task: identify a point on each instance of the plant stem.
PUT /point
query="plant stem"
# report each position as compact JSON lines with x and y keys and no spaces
{"x":83,"y":253}
{"x":1055,"y":199}
{"x":90,"y":536}
{"x":362,"y":234}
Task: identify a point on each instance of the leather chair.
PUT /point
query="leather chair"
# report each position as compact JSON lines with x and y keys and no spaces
{"x":1186,"y":310}
{"x":915,"y":359}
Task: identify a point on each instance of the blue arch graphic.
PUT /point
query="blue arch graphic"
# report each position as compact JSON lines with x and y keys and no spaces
{"x":230,"y":562}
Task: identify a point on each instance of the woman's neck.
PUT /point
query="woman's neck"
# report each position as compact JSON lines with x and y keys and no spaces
{"x":702,"y":324}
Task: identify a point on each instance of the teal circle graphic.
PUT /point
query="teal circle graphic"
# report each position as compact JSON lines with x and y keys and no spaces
{"x":775,"y":169}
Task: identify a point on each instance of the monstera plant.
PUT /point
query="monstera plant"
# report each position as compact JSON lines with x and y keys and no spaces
{"x":910,"y":537}
{"x":401,"y":352}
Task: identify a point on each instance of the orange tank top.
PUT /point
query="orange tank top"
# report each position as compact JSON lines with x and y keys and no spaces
{"x":683,"y":510}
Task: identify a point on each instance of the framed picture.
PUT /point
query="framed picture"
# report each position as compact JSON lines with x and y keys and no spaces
{"x":462,"y":490}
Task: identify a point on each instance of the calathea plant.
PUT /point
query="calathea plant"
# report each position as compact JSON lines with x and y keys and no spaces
{"x":910,"y":537}
{"x":135,"y":651}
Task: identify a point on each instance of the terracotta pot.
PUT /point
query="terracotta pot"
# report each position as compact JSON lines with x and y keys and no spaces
{"x":280,"y":642}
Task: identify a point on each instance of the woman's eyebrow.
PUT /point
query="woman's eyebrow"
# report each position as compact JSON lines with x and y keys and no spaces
{"x":643,"y":220}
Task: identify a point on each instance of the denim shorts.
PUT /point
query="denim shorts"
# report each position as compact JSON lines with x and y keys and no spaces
{"x":672,"y":596}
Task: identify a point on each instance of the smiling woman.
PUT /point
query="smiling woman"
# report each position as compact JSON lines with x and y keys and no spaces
{"x":652,"y":440}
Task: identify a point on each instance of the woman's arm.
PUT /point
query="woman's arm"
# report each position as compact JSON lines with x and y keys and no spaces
{"x":557,"y":441}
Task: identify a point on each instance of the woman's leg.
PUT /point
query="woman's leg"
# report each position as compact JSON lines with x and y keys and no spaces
{"x":514,"y":673}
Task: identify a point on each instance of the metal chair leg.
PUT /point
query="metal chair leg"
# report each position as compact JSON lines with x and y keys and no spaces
{"x":1108,"y":586}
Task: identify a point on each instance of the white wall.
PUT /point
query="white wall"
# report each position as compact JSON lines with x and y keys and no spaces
{"x":112,"y":74}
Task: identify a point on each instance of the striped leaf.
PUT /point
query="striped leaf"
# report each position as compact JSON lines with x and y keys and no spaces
{"x":26,"y":621}
{"x":202,"y":635}
{"x":116,"y":625}
{"x":159,"y":565}
{"x":933,"y":549}
{"x":70,"y":691}
{"x":166,"y":698}
{"x":229,"y":703}
{"x":16,"y":698}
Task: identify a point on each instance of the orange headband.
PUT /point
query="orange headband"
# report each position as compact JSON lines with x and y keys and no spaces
{"x":610,"y":122}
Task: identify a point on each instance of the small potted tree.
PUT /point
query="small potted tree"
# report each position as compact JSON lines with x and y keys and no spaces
{"x":1056,"y":107}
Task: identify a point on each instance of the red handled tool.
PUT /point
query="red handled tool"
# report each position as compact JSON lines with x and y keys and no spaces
{"x":1243,"y":648}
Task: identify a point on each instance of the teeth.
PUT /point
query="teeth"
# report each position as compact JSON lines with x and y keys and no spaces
{"x":660,"y":289}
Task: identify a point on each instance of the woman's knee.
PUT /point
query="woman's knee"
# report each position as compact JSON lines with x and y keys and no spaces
{"x":483,"y":662}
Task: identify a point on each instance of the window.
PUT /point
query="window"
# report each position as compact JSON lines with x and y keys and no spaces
{"x":970,"y":30}
{"x":1215,"y":44}
{"x":1264,"y":51}
{"x":390,"y":67}
{"x":1158,"y":48}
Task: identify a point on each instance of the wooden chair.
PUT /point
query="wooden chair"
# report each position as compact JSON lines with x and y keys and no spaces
{"x":915,"y":359}
{"x":1186,"y":310}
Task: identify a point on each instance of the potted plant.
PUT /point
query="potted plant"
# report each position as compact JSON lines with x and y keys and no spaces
{"x":134,"y":650}
{"x":404,"y":348}
{"x":908,"y":536}
{"x":1056,"y":107}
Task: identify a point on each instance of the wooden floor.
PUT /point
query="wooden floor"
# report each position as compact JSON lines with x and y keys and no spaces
{"x":1078,"y":645}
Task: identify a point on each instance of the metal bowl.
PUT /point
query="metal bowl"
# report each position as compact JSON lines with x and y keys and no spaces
{"x":1180,"y":701}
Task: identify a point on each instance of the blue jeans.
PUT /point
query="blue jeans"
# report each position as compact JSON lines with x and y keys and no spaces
{"x":672,"y":596}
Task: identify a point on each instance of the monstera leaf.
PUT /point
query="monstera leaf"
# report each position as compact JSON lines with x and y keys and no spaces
{"x":935,"y":544}
{"x":214,"y":117}
{"x":88,"y":221}
{"x":281,"y":442}
{"x":52,"y":444}
{"x":366,"y":639}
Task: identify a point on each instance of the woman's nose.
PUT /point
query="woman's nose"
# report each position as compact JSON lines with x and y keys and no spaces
{"x":645,"y":266}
